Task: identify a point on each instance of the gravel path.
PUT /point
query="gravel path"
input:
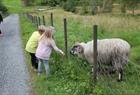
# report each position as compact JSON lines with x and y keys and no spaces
{"x":14,"y":76}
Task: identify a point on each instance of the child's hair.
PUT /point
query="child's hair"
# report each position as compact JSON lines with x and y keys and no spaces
{"x":41,"y":29}
{"x":52,"y":28}
{"x":47,"y":35}
{"x":48,"y":32}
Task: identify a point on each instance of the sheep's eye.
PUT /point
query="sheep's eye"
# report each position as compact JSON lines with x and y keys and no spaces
{"x":75,"y":46}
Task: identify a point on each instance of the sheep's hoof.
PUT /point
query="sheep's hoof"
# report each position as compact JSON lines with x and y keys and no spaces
{"x":119,"y":80}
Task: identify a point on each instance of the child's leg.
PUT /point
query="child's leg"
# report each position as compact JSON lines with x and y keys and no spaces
{"x":39,"y":66}
{"x":33,"y":60}
{"x":0,"y":31}
{"x":36,"y":62}
{"x":1,"y":34}
{"x":46,"y":64}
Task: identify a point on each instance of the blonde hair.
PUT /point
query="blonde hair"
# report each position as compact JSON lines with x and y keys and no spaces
{"x":47,"y":35}
{"x":52,"y":29}
{"x":41,"y":29}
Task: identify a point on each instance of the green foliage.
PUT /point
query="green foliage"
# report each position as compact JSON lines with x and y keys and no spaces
{"x":52,"y":3}
{"x":90,"y":6}
{"x":70,"y":5}
{"x":129,"y":4}
{"x":28,"y":2}
{"x":3,"y":9}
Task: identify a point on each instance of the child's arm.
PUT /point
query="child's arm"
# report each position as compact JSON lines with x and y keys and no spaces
{"x":56,"y":48}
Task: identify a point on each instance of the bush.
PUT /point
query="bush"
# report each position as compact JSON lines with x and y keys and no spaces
{"x":28,"y":2}
{"x":70,"y":5}
{"x":52,"y":3}
{"x":3,"y":9}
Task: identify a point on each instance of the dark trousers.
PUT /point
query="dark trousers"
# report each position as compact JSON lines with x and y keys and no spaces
{"x":34,"y":60}
{"x":0,"y":29}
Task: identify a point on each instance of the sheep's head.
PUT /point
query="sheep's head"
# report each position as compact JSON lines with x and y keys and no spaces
{"x":77,"y":50}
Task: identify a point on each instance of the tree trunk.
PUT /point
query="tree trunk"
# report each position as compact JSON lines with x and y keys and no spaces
{"x":133,"y":11}
{"x":103,"y":6}
{"x":123,"y":8}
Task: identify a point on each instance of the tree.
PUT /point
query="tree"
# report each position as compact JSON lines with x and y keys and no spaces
{"x":84,"y":4}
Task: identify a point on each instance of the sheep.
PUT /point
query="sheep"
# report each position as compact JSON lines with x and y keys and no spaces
{"x":114,"y":51}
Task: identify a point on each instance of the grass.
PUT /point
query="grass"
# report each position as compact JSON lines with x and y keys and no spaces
{"x":14,"y":6}
{"x":72,"y":77}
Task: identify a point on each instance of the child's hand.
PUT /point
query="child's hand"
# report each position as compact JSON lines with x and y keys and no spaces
{"x":63,"y":53}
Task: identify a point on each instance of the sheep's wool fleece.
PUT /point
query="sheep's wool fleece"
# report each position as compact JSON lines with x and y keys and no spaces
{"x":114,"y":51}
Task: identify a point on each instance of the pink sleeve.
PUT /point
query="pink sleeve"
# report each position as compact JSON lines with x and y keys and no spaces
{"x":55,"y":47}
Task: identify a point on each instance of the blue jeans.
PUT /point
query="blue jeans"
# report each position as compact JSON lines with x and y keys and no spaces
{"x":46,"y":64}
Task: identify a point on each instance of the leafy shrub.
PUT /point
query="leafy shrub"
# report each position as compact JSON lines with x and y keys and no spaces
{"x":28,"y":2}
{"x":70,"y":5}
{"x":3,"y":9}
{"x":52,"y":3}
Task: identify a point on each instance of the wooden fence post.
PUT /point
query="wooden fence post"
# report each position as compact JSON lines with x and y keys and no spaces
{"x":43,"y":18}
{"x":95,"y":53}
{"x":36,"y":19}
{"x":52,"y":19}
{"x":39,"y":21}
{"x":32,"y":19}
{"x":93,"y":78}
{"x":65,"y":37}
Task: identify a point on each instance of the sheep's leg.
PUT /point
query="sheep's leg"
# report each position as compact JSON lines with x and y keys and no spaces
{"x":120,"y":75}
{"x":121,"y":69}
{"x":111,"y":70}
